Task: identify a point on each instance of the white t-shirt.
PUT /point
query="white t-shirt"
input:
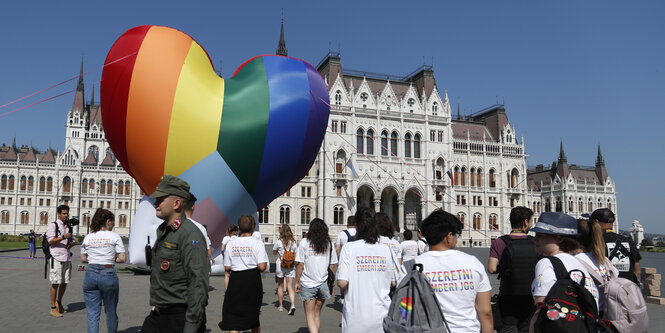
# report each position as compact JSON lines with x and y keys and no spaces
{"x":369,"y":270}
{"x":279,"y":247}
{"x":456,"y":278}
{"x":342,"y":238}
{"x":227,"y":239}
{"x":243,"y":253}
{"x":315,"y":271}
{"x":422,"y":245}
{"x":102,"y":246}
{"x":203,"y":231}
{"x":600,"y":269}
{"x":257,"y":235}
{"x":394,"y":246}
{"x":409,"y":250}
{"x":545,"y":276}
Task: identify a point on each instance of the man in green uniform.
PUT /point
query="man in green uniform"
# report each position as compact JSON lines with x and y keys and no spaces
{"x":179,"y":277}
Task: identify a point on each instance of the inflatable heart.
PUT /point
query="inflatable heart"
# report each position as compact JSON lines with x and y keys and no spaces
{"x":239,"y":142}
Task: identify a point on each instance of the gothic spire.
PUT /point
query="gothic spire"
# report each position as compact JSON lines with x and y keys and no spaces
{"x":562,"y":166}
{"x":281,"y":46}
{"x":92,"y":96}
{"x":599,"y":159}
{"x":80,"y":85}
{"x":562,"y":154}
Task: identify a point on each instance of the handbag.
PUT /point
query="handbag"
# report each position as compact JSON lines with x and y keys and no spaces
{"x":331,"y":274}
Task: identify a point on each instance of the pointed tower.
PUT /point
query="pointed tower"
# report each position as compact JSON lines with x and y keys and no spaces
{"x":562,"y":164}
{"x":79,"y":101}
{"x":281,"y":46}
{"x":75,"y":134}
{"x":601,"y":172}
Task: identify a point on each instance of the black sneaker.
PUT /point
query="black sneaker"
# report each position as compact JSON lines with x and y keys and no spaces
{"x":292,"y":310}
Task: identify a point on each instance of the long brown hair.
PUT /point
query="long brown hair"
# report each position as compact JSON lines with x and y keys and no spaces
{"x":591,"y":239}
{"x":318,"y":237}
{"x":100,"y":218}
{"x":286,"y":235}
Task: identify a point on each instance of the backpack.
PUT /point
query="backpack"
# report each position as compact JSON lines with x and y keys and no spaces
{"x":517,"y":266}
{"x":620,"y":257}
{"x":426,"y":244}
{"x":288,"y":259}
{"x":623,"y":303}
{"x":349,"y":238}
{"x":414,"y":306}
{"x":568,"y":306}
{"x":46,"y":247}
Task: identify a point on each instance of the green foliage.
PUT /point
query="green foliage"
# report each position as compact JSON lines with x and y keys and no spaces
{"x":660,"y":244}
{"x":12,"y":238}
{"x":647,"y":242}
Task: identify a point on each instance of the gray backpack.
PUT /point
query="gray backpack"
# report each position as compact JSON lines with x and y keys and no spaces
{"x":624,"y":305}
{"x":414,"y":307}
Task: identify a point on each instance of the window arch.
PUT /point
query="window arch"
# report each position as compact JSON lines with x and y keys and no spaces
{"x":609,"y":204}
{"x":580,"y":205}
{"x":3,"y":182}
{"x":514,"y":176}
{"x":416,"y":146}
{"x":407,"y":145}
{"x":109,"y":187}
{"x":102,"y":187}
{"x":439,"y":169}
{"x":122,"y":221}
{"x":264,"y":215}
{"x":479,"y":177}
{"x":22,"y":183}
{"x":435,"y":108}
{"x":128,"y":189}
{"x":95,"y":152}
{"x":305,"y":215}
{"x":460,"y":217}
{"x":463,"y":177}
{"x":31,"y":183}
{"x":558,"y":205}
{"x":370,"y":142}
{"x":360,"y":136}
{"x":384,"y":143}
{"x":121,"y":187}
{"x":42,"y":184}
{"x":492,"y":222}
{"x":284,"y":215}
{"x":590,"y":205}
{"x":43,"y":218}
{"x":67,"y":185}
{"x":11,"y":183}
{"x":49,"y":184}
{"x":25,"y":217}
{"x":85,"y":220}
{"x":84,"y":186}
{"x":600,"y":203}
{"x":456,"y":179}
{"x":4,"y":217}
{"x":92,"y":185}
{"x":338,"y":215}
{"x":472,"y":179}
{"x":393,"y":143}
{"x":338,"y":97}
{"x":477,"y":224}
{"x":340,"y":161}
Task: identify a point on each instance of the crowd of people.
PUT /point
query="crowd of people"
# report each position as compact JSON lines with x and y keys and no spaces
{"x":367,"y":262}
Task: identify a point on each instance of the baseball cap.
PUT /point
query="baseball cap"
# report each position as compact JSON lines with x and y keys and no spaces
{"x":603,"y":215}
{"x":171,"y":185}
{"x":555,"y":223}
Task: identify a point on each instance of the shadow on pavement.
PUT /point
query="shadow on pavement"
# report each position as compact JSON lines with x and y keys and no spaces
{"x":73,"y":307}
{"x":131,"y":329}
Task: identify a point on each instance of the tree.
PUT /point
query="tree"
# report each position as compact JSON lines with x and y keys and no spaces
{"x":647,"y":242}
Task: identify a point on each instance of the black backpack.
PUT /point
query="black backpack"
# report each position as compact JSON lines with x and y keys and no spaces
{"x":517,"y":266}
{"x":568,"y":306}
{"x":46,"y":248}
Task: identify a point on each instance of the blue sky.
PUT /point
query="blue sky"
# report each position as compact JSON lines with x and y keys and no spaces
{"x":585,"y":72}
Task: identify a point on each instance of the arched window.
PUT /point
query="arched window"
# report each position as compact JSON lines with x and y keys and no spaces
{"x":84,"y":186}
{"x":548,"y":205}
{"x":43,"y":218}
{"x":463,"y":177}
{"x":571,"y":205}
{"x":439,"y":169}
{"x":102,"y":187}
{"x":472,"y":179}
{"x":514,"y":176}
{"x":559,"y":205}
{"x":305,"y":215}
{"x":284,"y":215}
{"x":370,"y":142}
{"x":67,"y":185}
{"x":11,"y":183}
{"x":338,"y":215}
{"x":23,"y":183}
{"x":49,"y":184}
{"x":121,"y":187}
{"x":393,"y":143}
{"x":477,"y":221}
{"x":407,"y":145}
{"x":122,"y":221}
{"x":590,"y":205}
{"x":609,"y":204}
{"x":416,"y":146}
{"x":264,"y":215}
{"x":492,"y":222}
{"x":95,"y":152}
{"x":479,"y":177}
{"x":31,"y":183}
{"x":360,"y":137}
{"x":85,"y":220}
{"x":435,"y":108}
{"x":4,"y":217}
{"x":109,"y":187}
{"x":25,"y":217}
{"x":340,"y":161}
{"x":460,"y":217}
{"x":456,"y":176}
{"x":92,"y":185}
{"x":128,"y":188}
{"x":3,"y":182}
{"x":580,"y":205}
{"x":600,"y":203}
{"x":384,"y":143}
{"x":338,"y":97}
{"x":42,"y":184}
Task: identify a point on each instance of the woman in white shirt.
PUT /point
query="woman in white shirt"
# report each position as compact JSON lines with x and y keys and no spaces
{"x":314,"y":257}
{"x":592,"y":255}
{"x":285,"y":275}
{"x":365,"y":274}
{"x":386,"y":229}
{"x":245,"y":258}
{"x":555,"y":236}
{"x":231,"y":233}
{"x":101,"y":249}
{"x":409,"y":246}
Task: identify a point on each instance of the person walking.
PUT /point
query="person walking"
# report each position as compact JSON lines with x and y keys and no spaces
{"x":345,"y":236}
{"x":458,"y":279}
{"x":179,"y":268}
{"x":32,"y":244}
{"x":514,"y":258}
{"x":60,"y":240}
{"x":245,"y":258}
{"x":231,"y":233}
{"x":386,"y":230}
{"x":409,"y":246}
{"x":101,"y":250}
{"x":286,"y":243}
{"x":314,"y":258}
{"x":621,"y":250}
{"x":365,"y":274}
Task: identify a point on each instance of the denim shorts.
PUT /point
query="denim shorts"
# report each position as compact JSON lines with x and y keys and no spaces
{"x":320,"y":292}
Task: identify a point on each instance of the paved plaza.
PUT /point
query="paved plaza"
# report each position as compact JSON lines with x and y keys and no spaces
{"x":25,"y":303}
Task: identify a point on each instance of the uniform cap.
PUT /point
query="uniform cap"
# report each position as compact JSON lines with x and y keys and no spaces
{"x":171,"y":185}
{"x":603,"y":215}
{"x":555,"y":223}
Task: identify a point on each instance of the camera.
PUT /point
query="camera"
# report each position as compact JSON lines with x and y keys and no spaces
{"x":72,"y":222}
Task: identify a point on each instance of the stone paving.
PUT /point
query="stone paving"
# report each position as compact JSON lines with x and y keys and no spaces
{"x":25,"y":303}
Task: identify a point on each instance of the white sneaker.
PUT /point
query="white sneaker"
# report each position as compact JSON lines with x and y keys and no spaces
{"x":292,"y":310}
{"x":281,"y":309}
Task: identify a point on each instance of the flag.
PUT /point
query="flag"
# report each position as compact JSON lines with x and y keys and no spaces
{"x":450,"y":174}
{"x":353,"y":170}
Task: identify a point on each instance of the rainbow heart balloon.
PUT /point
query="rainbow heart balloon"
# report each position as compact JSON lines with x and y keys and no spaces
{"x":239,"y":142}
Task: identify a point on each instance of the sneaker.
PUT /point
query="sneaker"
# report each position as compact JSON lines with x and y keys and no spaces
{"x":292,"y":310}
{"x":281,"y":309}
{"x":61,"y":309}
{"x":54,"y":313}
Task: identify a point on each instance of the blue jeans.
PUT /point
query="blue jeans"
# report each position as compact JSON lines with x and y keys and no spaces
{"x":101,"y":284}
